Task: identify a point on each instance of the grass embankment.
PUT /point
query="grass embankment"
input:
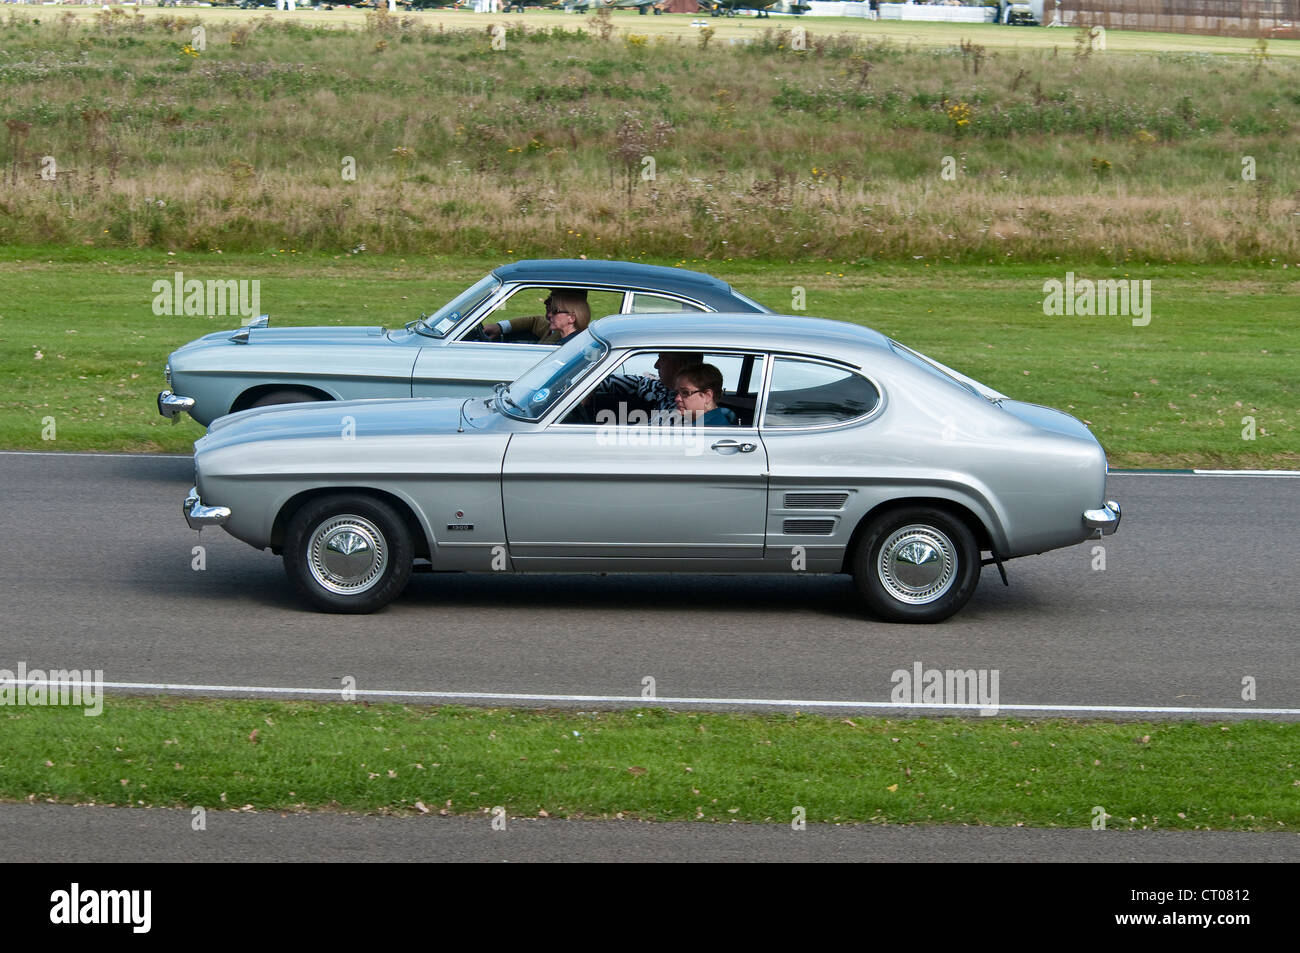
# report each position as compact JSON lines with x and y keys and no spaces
{"x":79,"y":341}
{"x":541,"y":147}
{"x":654,"y":765}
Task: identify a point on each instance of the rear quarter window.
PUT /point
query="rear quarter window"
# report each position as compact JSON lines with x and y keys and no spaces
{"x":809,"y":394}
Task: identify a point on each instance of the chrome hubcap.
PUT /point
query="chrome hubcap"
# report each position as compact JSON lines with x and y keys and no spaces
{"x":917,"y":564}
{"x":347,"y":554}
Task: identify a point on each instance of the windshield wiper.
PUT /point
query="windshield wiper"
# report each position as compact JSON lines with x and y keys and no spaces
{"x":421,"y":325}
{"x":499,"y":391}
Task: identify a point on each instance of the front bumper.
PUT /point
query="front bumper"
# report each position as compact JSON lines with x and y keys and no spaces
{"x":199,"y":516}
{"x":169,"y":404}
{"x":1105,"y":520}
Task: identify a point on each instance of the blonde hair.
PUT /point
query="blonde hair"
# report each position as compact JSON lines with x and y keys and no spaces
{"x":575,"y":303}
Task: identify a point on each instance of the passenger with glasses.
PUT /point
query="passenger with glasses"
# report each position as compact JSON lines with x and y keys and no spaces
{"x":698,"y":389}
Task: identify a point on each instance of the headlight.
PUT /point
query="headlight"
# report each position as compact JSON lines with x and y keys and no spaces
{"x":167,"y":373}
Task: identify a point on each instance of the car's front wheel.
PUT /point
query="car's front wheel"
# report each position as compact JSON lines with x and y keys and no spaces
{"x":916,"y":564}
{"x":348,"y":553}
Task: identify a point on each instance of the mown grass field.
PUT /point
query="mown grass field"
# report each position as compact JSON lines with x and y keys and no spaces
{"x":655,"y":765}
{"x":79,"y":342}
{"x":416,"y":135}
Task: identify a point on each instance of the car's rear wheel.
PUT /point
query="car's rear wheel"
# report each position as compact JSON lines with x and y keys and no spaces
{"x":916,"y":564}
{"x":285,"y":396}
{"x":348,"y":553}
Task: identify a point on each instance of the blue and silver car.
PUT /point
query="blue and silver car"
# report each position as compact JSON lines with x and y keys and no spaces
{"x":814,"y":447}
{"x":443,"y":354}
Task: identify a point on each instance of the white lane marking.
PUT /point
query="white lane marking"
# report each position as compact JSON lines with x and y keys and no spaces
{"x":1252,"y":473}
{"x":1265,"y":474}
{"x":664,"y":700}
{"x":91,"y":455}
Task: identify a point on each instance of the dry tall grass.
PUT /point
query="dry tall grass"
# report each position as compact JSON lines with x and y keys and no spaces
{"x":138,"y":132}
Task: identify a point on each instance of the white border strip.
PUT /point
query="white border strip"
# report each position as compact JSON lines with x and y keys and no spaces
{"x":337,"y":693}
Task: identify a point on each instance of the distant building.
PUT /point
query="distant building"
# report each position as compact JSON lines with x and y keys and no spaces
{"x":1265,"y":18}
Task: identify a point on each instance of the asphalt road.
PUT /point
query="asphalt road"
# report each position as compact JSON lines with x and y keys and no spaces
{"x":67,"y":834}
{"x":1198,"y":591}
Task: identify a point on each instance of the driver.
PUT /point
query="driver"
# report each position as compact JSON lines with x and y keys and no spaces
{"x":542,"y":328}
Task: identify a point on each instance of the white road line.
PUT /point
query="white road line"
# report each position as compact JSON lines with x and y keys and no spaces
{"x":1250,"y":473}
{"x":651,"y":702}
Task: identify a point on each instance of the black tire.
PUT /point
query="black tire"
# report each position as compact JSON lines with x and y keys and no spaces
{"x":338,"y":578}
{"x":907,"y":585}
{"x":286,"y":396}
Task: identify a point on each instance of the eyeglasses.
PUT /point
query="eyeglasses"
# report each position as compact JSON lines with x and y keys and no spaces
{"x":551,"y":314}
{"x":684,"y":393}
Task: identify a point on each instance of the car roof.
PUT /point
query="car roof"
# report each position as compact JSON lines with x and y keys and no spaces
{"x":780,"y":332}
{"x":712,"y":291}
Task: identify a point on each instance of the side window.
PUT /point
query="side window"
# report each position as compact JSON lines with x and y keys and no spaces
{"x":633,"y":394}
{"x":643,"y":303}
{"x":526,"y":311}
{"x":807,"y":394}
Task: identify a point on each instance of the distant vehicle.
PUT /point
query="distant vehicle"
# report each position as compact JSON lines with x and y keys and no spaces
{"x":822,"y":447}
{"x":437,"y":355}
{"x":1020,"y":14}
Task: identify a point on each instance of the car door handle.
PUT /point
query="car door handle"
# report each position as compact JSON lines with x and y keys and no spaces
{"x":723,"y":446}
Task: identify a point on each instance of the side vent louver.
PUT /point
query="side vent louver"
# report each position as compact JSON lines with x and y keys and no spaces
{"x":815,"y":501}
{"x":809,"y":527}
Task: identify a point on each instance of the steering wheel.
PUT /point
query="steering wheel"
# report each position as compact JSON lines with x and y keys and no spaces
{"x":477,"y":334}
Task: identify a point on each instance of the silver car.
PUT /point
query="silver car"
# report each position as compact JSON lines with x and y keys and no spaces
{"x":792,"y":445}
{"x":443,"y":354}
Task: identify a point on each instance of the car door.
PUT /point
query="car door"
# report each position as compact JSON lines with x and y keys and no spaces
{"x":816,"y":426}
{"x":629,"y":494}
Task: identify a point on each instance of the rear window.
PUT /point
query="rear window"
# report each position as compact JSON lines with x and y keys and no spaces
{"x":808,"y":394}
{"x":923,"y":362}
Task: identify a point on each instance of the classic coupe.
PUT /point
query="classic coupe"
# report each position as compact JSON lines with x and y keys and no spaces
{"x":833,"y":449}
{"x":444,"y":354}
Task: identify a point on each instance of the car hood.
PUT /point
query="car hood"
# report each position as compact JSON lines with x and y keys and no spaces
{"x":335,"y":420}
{"x":313,"y":336}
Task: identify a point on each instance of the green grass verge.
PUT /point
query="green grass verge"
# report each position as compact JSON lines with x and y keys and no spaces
{"x":1222,"y":345}
{"x":653,"y":764}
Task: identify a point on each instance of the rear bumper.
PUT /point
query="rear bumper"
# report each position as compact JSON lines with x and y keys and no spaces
{"x":1105,"y":520}
{"x":169,"y":404}
{"x":199,"y":516}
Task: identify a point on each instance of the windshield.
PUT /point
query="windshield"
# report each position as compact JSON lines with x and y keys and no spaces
{"x":533,"y":394}
{"x":440,"y":323}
